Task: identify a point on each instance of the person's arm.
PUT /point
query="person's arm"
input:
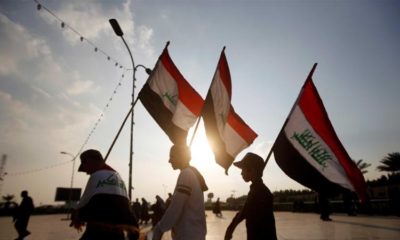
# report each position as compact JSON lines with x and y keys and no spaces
{"x":76,"y":221}
{"x":89,"y":190}
{"x":182,"y":192}
{"x":170,"y":216}
{"x":239,"y":217}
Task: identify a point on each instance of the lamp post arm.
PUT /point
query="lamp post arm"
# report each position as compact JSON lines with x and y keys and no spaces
{"x":129,"y":51}
{"x":147,"y":70}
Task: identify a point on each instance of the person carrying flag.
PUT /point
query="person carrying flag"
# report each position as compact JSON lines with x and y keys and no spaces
{"x":104,"y":205}
{"x":186,"y":212}
{"x":260,"y":221}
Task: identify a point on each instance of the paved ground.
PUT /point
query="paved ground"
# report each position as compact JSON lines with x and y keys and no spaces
{"x":289,"y":226}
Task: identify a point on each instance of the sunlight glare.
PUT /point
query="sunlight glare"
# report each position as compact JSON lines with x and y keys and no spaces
{"x":202,"y":155}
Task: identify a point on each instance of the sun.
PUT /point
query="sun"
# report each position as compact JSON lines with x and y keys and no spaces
{"x":202,"y":155}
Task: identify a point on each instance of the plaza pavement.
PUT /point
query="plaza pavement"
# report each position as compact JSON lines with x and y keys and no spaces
{"x":300,"y":226}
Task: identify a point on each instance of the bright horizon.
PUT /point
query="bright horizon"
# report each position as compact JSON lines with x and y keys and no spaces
{"x":54,"y":87}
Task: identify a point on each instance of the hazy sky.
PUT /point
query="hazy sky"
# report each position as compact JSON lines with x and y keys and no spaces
{"x":54,"y":88}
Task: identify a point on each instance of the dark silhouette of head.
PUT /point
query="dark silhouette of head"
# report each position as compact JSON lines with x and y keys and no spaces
{"x":158,"y":198}
{"x":252,"y":167}
{"x":179,"y":156}
{"x":91,"y":161}
{"x":24,"y":193}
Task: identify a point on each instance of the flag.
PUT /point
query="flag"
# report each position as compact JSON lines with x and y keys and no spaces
{"x":227,"y":133}
{"x":170,"y":99}
{"x":308,"y":150}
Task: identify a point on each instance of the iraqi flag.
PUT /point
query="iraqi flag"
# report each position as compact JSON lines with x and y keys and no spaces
{"x":227,"y":133}
{"x":309,"y":151}
{"x":170,"y":99}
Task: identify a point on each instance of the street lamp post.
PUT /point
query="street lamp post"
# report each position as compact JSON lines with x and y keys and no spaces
{"x":118,"y":31}
{"x":73,"y":166}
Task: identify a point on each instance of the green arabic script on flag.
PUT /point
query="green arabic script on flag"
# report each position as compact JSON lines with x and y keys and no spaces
{"x":313,"y":147}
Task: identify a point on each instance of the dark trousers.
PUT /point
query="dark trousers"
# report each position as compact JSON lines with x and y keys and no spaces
{"x":21,"y":224}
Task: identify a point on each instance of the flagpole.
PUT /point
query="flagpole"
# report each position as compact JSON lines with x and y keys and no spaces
{"x":194,"y":132}
{"x":119,"y":131}
{"x":291,"y":111}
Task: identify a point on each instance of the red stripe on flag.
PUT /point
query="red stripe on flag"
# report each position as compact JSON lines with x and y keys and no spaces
{"x":315,"y":113}
{"x":241,"y":127}
{"x":225,"y":74}
{"x":220,"y":95}
{"x":187,"y":95}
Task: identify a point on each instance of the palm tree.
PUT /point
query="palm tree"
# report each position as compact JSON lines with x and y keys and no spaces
{"x":210,"y":196}
{"x":8,"y":199}
{"x":362,"y":165}
{"x":390,"y":163}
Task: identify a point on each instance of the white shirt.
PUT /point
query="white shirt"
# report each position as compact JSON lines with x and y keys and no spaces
{"x":186,"y":213}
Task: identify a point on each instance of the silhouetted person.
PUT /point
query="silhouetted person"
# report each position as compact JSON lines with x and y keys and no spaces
{"x":217,"y":208}
{"x":394,"y":196}
{"x":186,"y":213}
{"x":22,"y":214}
{"x":260,"y":221}
{"x":136,"y":207}
{"x":104,"y":205}
{"x":168,"y":201}
{"x":158,"y":210}
{"x":349,"y":203}
{"x":144,"y":212}
{"x":324,"y":207}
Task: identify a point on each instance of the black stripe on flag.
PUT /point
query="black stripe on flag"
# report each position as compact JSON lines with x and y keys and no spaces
{"x":162,"y":115}
{"x":216,"y":142}
{"x":297,"y":168}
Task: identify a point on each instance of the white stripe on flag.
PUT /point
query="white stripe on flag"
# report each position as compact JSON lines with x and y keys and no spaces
{"x":165,"y":86}
{"x":221,"y":102}
{"x":233,"y":141}
{"x":183,"y":117}
{"x":313,"y":149}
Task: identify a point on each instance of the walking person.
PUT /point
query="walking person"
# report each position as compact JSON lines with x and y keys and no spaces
{"x":104,"y":205}
{"x":158,"y":210}
{"x":260,"y":221}
{"x":324,"y":207}
{"x":22,"y":215}
{"x":136,"y":208}
{"x":144,"y":212}
{"x":186,"y":212}
{"x":217,"y":208}
{"x":168,"y":201}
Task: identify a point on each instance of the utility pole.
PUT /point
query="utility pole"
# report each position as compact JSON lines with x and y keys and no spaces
{"x":118,"y":31}
{"x":3,"y":173}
